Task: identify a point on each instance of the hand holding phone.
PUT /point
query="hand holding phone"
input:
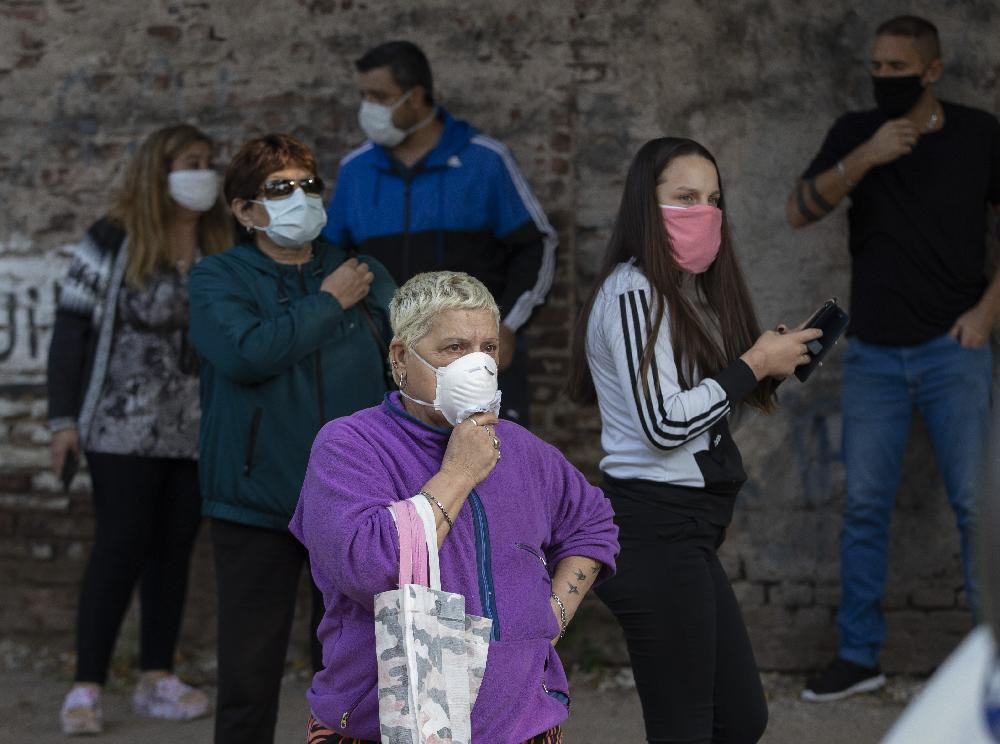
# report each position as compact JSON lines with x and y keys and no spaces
{"x":832,"y":320}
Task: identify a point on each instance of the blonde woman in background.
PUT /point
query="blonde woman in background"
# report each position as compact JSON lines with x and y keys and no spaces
{"x":123,"y":387}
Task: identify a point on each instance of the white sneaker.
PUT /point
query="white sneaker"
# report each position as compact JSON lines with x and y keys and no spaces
{"x":81,"y":711}
{"x":167,"y":697}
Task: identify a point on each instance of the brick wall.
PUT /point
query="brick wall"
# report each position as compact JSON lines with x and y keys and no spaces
{"x":573,"y":88}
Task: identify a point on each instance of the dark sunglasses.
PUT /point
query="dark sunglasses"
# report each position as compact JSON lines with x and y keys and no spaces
{"x":284,"y":187}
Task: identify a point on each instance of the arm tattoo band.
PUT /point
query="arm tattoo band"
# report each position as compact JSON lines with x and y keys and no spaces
{"x":818,"y":197}
{"x":804,"y":210}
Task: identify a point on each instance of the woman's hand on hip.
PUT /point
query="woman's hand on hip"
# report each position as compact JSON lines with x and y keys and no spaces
{"x":473,"y":449}
{"x":777,"y":353}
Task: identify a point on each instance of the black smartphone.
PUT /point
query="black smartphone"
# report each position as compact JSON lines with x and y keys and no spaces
{"x":69,"y":469}
{"x":832,"y":320}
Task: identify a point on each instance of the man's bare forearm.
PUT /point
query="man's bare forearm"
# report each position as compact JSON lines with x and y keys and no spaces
{"x":814,"y":198}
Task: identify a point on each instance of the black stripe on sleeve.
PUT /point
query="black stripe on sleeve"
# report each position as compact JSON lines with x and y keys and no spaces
{"x":639,"y":340}
{"x":633,"y":373}
{"x":634,"y":340}
{"x":720,"y":408}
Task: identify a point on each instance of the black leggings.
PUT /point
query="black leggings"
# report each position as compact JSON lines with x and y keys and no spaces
{"x":147,"y":512}
{"x":694,"y":668}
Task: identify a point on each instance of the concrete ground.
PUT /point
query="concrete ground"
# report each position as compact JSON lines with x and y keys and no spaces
{"x":605,"y":708}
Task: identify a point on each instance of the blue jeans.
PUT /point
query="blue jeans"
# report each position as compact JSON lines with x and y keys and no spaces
{"x":950,"y":386}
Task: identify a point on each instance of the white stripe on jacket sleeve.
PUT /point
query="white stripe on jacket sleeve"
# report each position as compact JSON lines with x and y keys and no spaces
{"x":535,"y":296}
{"x":667,"y":415}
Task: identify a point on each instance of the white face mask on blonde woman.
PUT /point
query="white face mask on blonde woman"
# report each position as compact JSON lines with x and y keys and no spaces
{"x":196,"y":190}
{"x":466,"y":386}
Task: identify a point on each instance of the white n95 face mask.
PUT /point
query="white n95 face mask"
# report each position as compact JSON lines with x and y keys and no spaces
{"x":195,"y":189}
{"x":466,"y":386}
{"x":295,"y":221}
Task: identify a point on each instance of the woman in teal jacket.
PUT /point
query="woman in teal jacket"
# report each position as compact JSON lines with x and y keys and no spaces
{"x":291,"y":332}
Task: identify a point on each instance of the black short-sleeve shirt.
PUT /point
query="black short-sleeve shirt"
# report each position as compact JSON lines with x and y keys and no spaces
{"x":917,"y":224}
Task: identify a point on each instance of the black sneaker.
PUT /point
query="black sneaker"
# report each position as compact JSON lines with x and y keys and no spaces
{"x":842,"y":679}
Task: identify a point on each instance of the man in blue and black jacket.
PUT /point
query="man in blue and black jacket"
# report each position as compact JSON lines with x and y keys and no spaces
{"x":429,"y":192}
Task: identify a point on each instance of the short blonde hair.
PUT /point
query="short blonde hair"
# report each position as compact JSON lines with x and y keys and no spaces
{"x":415,"y":305}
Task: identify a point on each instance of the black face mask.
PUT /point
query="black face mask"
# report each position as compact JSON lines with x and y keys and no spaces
{"x":894,"y":96}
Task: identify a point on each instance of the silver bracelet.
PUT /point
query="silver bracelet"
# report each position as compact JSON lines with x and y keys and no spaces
{"x":843,"y":174}
{"x":562,"y":614}
{"x":439,"y":505}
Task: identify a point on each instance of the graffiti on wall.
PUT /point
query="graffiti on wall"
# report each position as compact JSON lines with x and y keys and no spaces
{"x":29,"y":289}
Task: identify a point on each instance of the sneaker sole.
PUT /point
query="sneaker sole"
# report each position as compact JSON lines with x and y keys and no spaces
{"x":866,"y":685}
{"x":81,"y":728}
{"x":168,"y":712}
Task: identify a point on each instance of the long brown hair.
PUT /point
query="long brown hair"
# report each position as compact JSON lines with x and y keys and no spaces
{"x":639,"y":234}
{"x":143,"y":206}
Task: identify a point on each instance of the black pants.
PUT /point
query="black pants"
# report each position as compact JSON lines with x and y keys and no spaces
{"x":147,"y":512}
{"x":257,"y":574}
{"x":694,"y":668}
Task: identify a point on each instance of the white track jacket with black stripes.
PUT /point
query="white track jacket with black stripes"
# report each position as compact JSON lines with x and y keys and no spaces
{"x":659,"y":431}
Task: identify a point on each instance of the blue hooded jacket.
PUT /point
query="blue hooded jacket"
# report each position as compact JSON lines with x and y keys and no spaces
{"x":464,"y":207}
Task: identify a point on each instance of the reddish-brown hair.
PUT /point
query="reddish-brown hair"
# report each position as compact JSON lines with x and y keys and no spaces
{"x":258,"y":158}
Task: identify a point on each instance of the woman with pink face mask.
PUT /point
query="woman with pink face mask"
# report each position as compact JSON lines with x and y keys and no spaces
{"x":669,"y":348}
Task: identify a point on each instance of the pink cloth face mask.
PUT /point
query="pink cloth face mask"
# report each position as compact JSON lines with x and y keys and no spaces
{"x":695,"y":235}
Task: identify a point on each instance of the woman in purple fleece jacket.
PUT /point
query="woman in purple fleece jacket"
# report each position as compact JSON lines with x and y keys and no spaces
{"x":523,"y":536}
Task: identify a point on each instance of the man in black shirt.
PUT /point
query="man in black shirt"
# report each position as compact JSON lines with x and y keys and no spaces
{"x":920,"y":173}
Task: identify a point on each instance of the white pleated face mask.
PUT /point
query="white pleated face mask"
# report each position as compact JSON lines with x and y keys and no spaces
{"x":195,"y":189}
{"x":294,"y":221}
{"x":466,"y":386}
{"x":375,"y":120}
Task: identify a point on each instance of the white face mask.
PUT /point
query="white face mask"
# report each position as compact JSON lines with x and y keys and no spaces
{"x":195,"y":189}
{"x":375,"y":121}
{"x":466,"y":386}
{"x":295,"y":221}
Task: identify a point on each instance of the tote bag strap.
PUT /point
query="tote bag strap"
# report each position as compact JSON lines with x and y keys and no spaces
{"x":419,"y":555}
{"x":401,"y":512}
{"x":430,"y":533}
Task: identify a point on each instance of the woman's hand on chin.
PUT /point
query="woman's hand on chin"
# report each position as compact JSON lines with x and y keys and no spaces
{"x":473,"y":451}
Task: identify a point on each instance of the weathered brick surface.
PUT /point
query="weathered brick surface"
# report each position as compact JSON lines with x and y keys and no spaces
{"x":573,"y":86}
